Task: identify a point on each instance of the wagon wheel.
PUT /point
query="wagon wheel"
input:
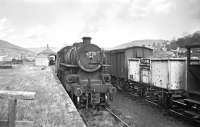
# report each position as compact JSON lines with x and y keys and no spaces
{"x":126,"y":86}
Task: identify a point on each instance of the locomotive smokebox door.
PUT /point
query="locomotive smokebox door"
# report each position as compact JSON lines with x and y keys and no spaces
{"x":89,"y":58}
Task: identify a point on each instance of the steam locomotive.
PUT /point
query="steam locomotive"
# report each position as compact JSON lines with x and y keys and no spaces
{"x":52,"y":60}
{"x":82,"y":69}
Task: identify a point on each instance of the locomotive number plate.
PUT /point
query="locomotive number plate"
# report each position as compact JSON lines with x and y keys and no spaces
{"x":95,"y":98}
{"x":91,"y":55}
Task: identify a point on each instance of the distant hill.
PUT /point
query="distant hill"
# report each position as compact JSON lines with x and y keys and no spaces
{"x":40,"y":49}
{"x":11,"y":50}
{"x":146,"y":43}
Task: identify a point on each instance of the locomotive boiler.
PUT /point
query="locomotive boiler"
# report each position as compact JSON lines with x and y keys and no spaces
{"x":82,"y":70}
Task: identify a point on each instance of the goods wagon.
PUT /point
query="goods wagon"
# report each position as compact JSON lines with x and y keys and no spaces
{"x":168,"y":73}
{"x":118,"y":59}
{"x":82,"y":71}
{"x":139,"y":70}
{"x":157,"y":78}
{"x":6,"y":64}
{"x":139,"y":76}
{"x":188,"y":104}
{"x":193,"y":68}
{"x":172,"y":83}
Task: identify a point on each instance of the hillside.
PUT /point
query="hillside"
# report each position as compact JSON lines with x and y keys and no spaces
{"x":146,"y":43}
{"x":8,"y":49}
{"x":40,"y":49}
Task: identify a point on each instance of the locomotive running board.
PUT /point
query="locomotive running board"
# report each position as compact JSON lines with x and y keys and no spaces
{"x":106,"y":65}
{"x":68,"y":65}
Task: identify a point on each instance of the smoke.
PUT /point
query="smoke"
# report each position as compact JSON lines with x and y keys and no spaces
{"x":5,"y":28}
{"x":161,"y":17}
{"x":97,"y":17}
{"x":113,"y":21}
{"x":186,"y":40}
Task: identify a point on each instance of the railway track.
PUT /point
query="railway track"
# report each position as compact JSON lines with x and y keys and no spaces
{"x":121,"y":122}
{"x":192,"y":118}
{"x":106,"y":116}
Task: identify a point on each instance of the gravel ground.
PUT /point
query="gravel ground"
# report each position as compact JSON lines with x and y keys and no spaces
{"x":51,"y":107}
{"x":96,"y":118}
{"x":31,"y":78}
{"x":145,"y":114}
{"x":102,"y":118}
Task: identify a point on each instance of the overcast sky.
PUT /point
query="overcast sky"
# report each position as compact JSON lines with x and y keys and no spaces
{"x":34,"y":23}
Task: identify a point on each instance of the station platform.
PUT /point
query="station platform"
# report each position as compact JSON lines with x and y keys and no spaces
{"x":52,"y":106}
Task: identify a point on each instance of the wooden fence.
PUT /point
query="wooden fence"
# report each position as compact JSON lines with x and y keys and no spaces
{"x":12,"y":97}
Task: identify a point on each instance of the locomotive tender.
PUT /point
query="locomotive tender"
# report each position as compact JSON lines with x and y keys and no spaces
{"x":82,"y":71}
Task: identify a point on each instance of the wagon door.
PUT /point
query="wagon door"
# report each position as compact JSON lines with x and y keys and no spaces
{"x":145,"y":71}
{"x":160,"y":73}
{"x":121,"y":71}
{"x":133,"y":70}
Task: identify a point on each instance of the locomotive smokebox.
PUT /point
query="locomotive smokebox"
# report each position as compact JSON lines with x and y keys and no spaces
{"x":86,"y":40}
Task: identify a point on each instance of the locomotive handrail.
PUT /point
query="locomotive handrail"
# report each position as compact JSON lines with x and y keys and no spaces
{"x":106,"y":65}
{"x":68,"y":65}
{"x":94,"y":63}
{"x":88,"y":70}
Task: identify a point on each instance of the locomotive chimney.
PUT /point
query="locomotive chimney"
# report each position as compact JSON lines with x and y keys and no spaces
{"x":86,"y":40}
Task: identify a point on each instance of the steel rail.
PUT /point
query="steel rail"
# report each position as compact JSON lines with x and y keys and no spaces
{"x":123,"y":124}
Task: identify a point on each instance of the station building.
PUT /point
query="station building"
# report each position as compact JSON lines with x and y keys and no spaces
{"x":42,"y":58}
